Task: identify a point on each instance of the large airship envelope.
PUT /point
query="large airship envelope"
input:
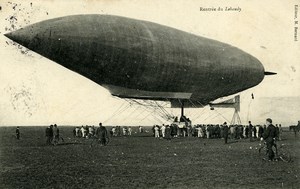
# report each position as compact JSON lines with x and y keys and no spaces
{"x":143,"y":60}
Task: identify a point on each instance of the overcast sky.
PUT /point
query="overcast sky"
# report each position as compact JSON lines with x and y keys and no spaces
{"x":37,"y":91}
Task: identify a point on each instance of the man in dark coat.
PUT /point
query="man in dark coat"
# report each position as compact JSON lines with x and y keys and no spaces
{"x":254,"y":131}
{"x":48,"y":133}
{"x":247,"y":131}
{"x":269,"y":137}
{"x":18,"y":133}
{"x":175,"y":130}
{"x":225,"y":132}
{"x":102,"y":135}
{"x":265,"y":128}
{"x":242,"y":131}
{"x":260,"y":131}
{"x":51,"y":133}
{"x":250,"y":130}
{"x":168,"y":133}
{"x":218,"y":131}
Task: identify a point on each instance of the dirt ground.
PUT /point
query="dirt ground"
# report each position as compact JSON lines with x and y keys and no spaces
{"x":141,"y":161}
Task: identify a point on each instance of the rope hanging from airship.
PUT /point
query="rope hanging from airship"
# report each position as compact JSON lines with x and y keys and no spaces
{"x":155,"y":111}
{"x":222,"y":116}
{"x":145,"y":105}
{"x":213,"y":116}
{"x":201,"y":113}
{"x":160,"y":110}
{"x":157,"y":107}
{"x":249,"y":106}
{"x":118,"y":111}
{"x":148,"y":116}
{"x":164,"y":111}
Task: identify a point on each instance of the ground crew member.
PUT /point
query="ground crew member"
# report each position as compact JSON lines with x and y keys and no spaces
{"x":48,"y":141}
{"x":250,"y":130}
{"x":226,"y":128}
{"x":269,"y":137}
{"x":102,"y":134}
{"x":18,"y":133}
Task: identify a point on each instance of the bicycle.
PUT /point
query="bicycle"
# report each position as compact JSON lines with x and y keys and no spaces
{"x":281,"y":153}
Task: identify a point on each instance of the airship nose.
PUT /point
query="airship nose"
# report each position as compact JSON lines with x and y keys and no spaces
{"x":28,"y":37}
{"x":19,"y":36}
{"x":8,"y":35}
{"x":11,"y":35}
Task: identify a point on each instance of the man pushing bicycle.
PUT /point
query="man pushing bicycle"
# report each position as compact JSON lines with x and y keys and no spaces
{"x":269,"y":137}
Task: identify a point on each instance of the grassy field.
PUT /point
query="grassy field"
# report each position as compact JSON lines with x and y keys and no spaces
{"x":140,"y":161}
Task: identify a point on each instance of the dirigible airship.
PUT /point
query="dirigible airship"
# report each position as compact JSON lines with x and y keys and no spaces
{"x":143,"y":60}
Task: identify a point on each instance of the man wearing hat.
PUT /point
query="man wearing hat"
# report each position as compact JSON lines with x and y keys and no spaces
{"x":250,"y":131}
{"x":269,"y":137}
{"x":102,"y":134}
{"x":225,"y":131}
{"x":18,"y":133}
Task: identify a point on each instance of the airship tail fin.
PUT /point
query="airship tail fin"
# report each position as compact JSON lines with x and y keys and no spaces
{"x":270,"y":73}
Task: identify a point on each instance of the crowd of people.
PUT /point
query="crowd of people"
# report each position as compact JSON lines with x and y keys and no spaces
{"x":269,"y":133}
{"x":209,"y":131}
{"x":90,"y":131}
{"x":213,"y":131}
{"x":121,"y":131}
{"x":84,"y":131}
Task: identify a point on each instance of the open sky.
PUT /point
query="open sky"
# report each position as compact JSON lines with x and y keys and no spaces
{"x":37,"y":91}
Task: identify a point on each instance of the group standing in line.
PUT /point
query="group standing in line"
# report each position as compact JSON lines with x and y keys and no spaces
{"x":214,"y":131}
